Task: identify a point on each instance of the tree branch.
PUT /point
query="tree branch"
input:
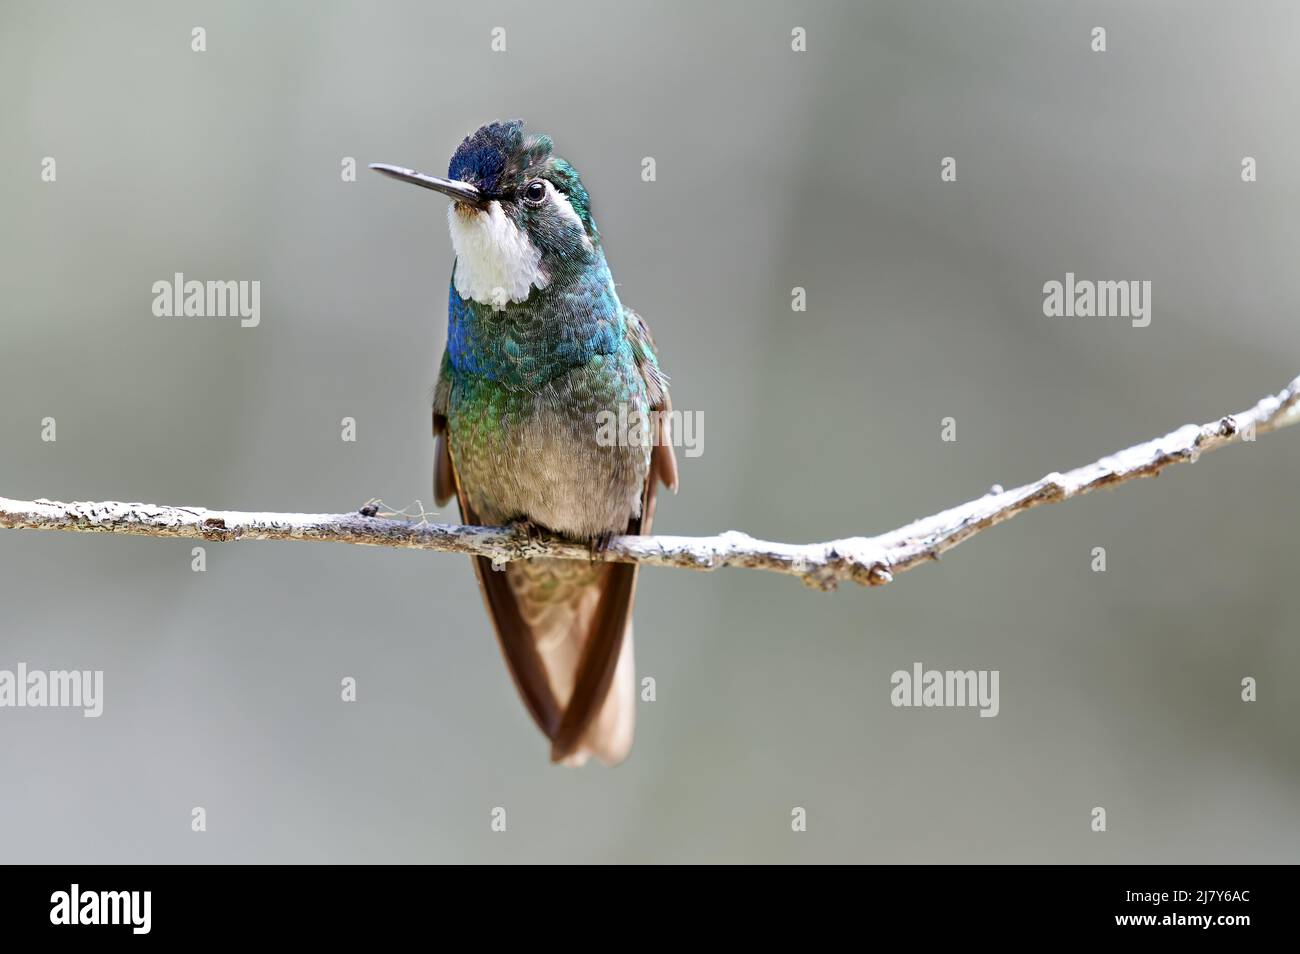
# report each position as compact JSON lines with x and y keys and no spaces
{"x":865,"y":560}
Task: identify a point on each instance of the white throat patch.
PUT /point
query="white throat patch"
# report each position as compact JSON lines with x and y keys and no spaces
{"x":496,"y":264}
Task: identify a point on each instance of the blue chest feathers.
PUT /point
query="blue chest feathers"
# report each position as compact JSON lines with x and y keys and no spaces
{"x":526,"y":344}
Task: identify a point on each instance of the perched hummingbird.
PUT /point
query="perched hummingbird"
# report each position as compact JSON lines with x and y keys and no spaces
{"x":538,"y":346}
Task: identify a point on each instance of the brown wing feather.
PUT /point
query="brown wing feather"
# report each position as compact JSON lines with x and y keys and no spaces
{"x":444,"y":474}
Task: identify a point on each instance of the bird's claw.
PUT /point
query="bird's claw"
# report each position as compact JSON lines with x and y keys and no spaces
{"x":531,"y":531}
{"x":600,"y":544}
{"x":533,"y":534}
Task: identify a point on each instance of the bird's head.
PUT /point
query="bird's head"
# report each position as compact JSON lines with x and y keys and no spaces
{"x":519,"y":217}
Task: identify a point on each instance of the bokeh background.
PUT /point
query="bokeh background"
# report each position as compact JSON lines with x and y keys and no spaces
{"x":775,"y":169}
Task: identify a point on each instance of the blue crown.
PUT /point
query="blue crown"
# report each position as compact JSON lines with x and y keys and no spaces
{"x":483,"y":157}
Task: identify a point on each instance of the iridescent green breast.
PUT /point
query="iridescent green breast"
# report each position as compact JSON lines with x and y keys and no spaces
{"x":542,"y":455}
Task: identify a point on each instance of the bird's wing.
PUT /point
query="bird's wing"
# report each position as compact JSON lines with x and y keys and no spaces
{"x":663,"y":461}
{"x":444,"y":476}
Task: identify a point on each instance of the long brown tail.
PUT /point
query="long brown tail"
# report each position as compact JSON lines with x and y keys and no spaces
{"x":565,"y":632}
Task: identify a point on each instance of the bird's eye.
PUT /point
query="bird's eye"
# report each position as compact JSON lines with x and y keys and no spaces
{"x":535,"y":192}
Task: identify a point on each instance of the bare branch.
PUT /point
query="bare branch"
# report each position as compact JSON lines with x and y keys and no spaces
{"x":865,"y":560}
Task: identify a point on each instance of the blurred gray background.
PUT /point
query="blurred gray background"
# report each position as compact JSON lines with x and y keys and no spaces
{"x":775,"y":169}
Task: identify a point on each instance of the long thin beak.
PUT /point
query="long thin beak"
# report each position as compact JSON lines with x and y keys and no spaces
{"x":460,"y":191}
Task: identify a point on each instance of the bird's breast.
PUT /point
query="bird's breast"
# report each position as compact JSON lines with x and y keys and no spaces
{"x":561,"y":456}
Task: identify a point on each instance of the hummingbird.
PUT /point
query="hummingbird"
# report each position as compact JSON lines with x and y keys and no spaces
{"x":541,"y":356}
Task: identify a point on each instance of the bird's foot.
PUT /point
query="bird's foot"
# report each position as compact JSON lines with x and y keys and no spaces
{"x":529,"y":529}
{"x":600,"y":544}
{"x":533,"y":535}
